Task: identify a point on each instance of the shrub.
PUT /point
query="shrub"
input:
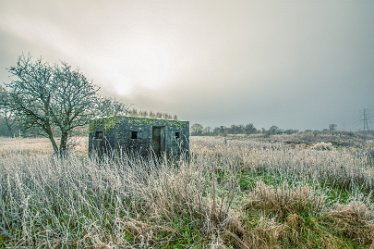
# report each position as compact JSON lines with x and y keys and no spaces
{"x":322,"y":146}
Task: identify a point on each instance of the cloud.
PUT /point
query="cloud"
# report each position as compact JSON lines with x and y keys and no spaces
{"x":296,"y":65}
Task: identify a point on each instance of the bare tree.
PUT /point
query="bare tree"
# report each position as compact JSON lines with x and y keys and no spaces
{"x":3,"y":96}
{"x":5,"y":114}
{"x":109,"y":107}
{"x":9,"y":121}
{"x":332,"y":127}
{"x":197,"y":129}
{"x":50,"y":98}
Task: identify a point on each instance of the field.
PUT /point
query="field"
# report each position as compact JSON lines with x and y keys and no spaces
{"x":306,"y":190}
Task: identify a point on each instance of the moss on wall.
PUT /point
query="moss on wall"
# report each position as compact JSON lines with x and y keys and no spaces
{"x":107,"y":124}
{"x":93,"y":125}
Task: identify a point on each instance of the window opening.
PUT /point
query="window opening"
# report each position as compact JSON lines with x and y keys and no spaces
{"x":99,"y":135}
{"x":177,"y":135}
{"x":134,"y":135}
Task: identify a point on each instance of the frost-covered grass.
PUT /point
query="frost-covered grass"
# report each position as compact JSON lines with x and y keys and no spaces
{"x":242,"y":193}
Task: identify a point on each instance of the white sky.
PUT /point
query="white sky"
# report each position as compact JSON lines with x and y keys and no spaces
{"x":296,"y":64}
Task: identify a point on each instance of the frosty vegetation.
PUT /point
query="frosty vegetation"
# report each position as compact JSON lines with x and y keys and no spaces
{"x":250,"y":192}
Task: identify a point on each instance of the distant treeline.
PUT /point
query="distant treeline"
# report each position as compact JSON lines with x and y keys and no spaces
{"x":199,"y":130}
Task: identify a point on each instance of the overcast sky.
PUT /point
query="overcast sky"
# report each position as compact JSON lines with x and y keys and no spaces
{"x":295,"y":64}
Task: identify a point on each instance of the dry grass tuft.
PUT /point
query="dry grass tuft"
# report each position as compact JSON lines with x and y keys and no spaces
{"x":284,"y":200}
{"x":353,"y":220}
{"x":144,"y":235}
{"x":177,"y":193}
{"x":322,"y":146}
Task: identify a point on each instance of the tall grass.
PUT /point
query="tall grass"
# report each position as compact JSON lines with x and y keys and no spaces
{"x":239,"y":194}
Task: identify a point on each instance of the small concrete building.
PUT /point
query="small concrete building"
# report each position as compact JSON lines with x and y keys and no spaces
{"x":133,"y":136}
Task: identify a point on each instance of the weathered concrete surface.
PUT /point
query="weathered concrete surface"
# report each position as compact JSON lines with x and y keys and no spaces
{"x":132,"y":136}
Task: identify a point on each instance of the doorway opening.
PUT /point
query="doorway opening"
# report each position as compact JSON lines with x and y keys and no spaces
{"x":158,"y":140}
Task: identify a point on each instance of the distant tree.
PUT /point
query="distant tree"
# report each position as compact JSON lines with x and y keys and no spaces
{"x":3,"y":96}
{"x":9,"y":122}
{"x":273,"y":130}
{"x":109,"y":107}
{"x":7,"y":119}
{"x":223,"y":130}
{"x":332,"y":127}
{"x":50,"y":97}
{"x":236,"y":129}
{"x":250,"y":129}
{"x":197,"y":129}
{"x":290,"y":131}
{"x":207,"y":131}
{"x":216,"y":131}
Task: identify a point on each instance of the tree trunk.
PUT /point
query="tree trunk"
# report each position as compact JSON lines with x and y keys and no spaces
{"x":63,"y":143}
{"x":52,"y":139}
{"x":9,"y":127}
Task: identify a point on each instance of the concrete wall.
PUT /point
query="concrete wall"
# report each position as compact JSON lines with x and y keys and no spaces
{"x":117,"y":136}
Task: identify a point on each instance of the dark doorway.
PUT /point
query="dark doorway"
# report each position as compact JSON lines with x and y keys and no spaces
{"x":158,"y":140}
{"x":99,"y":144}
